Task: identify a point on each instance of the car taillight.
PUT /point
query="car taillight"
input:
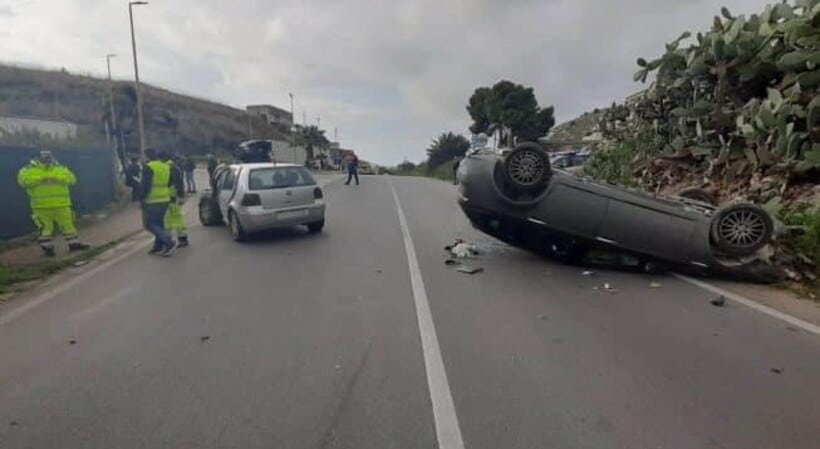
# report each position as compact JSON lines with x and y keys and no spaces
{"x":317,"y":194}
{"x":251,"y":199}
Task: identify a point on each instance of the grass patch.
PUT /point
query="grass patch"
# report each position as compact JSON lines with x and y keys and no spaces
{"x":443,"y":172}
{"x":10,"y":275}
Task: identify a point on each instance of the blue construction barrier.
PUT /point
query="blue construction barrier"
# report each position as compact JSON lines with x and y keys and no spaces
{"x":95,"y":188}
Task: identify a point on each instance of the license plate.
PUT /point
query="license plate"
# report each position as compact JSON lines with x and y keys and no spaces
{"x":292,"y":214}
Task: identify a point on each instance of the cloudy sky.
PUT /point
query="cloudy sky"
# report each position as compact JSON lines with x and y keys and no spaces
{"x":390,"y":75}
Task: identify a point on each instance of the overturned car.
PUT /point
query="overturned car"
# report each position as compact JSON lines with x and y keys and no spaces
{"x":520,"y":199}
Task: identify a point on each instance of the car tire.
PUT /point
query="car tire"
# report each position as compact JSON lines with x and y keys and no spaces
{"x":527,"y":167}
{"x":237,"y":232}
{"x":315,"y":228}
{"x":208,"y":214}
{"x":741,"y":229}
{"x":698,"y":195}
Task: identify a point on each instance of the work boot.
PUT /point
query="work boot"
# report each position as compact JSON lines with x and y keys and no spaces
{"x":183,"y":242}
{"x":155,"y":251}
{"x":78,"y":246}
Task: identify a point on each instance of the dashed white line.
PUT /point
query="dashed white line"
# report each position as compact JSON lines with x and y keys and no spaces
{"x":448,"y":431}
{"x":797,"y":322}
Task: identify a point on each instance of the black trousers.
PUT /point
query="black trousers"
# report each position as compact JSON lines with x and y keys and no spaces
{"x":350,"y":175}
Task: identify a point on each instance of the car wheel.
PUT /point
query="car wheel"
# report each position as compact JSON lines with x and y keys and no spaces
{"x":699,"y":195}
{"x":741,"y":229}
{"x":207,"y":214}
{"x":315,"y":228}
{"x":237,"y":232}
{"x":527,"y":167}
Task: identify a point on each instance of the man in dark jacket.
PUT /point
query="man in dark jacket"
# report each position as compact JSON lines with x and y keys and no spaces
{"x":188,"y":165}
{"x":212,"y":164}
{"x":352,"y":168}
{"x":132,"y":178}
{"x":156,"y":184}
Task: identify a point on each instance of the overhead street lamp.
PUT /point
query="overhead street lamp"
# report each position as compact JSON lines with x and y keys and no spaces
{"x":137,"y":77}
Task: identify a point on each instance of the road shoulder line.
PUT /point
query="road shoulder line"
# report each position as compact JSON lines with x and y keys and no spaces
{"x":797,"y":322}
{"x":57,"y":290}
{"x":448,"y":431}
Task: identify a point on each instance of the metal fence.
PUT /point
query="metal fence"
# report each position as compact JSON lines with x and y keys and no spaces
{"x":95,"y":188}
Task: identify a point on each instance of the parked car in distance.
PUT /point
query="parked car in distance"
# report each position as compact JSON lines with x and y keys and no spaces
{"x":365,"y":168}
{"x":570,"y":161}
{"x":254,"y":197}
{"x":520,"y":199}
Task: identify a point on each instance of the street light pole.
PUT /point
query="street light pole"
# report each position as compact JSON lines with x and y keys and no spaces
{"x":113,"y":120}
{"x":137,"y":77}
{"x":292,"y":129}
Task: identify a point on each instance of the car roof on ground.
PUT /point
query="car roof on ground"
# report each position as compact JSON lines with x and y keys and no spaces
{"x":265,"y":165}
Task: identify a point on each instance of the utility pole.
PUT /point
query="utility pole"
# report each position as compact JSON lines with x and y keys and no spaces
{"x":137,"y":77}
{"x":113,"y":120}
{"x":292,"y":129}
{"x":336,"y":135}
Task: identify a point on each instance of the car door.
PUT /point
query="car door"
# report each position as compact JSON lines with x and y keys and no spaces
{"x":227,"y":186}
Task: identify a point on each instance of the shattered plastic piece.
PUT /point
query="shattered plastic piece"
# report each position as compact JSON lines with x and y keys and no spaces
{"x":655,"y":285}
{"x":720,"y":301}
{"x":72,"y":342}
{"x":338,"y":367}
{"x":777,"y":370}
{"x":451,"y":262}
{"x":80,"y":263}
{"x":587,"y":273}
{"x":463,"y":250}
{"x":469,"y":270}
{"x":204,"y":338}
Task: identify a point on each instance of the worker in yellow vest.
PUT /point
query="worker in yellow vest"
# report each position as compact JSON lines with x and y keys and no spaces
{"x":174,"y":218}
{"x":156,"y":183}
{"x":47,"y":183}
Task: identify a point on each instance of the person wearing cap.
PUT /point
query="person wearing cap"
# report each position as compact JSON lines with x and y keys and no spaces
{"x":156,"y":182}
{"x":47,"y":184}
{"x":174,"y":218}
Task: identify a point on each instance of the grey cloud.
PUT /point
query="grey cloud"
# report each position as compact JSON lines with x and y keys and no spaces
{"x":390,"y":75}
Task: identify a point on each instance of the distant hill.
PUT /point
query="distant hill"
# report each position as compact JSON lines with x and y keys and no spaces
{"x":172,"y":121}
{"x":576,"y":129}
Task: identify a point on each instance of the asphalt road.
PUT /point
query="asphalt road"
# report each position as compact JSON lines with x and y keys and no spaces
{"x":301,"y":341}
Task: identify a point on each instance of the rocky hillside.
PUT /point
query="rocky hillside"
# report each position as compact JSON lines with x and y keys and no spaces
{"x":172,"y":121}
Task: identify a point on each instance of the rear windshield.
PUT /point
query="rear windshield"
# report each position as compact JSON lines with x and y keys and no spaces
{"x":279,"y":177}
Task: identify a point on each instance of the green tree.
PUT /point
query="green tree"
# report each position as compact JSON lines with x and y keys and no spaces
{"x":312,"y":138}
{"x":445,"y":148}
{"x":512,"y":106}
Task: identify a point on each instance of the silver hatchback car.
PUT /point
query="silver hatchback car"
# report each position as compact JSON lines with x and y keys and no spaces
{"x":256,"y":197}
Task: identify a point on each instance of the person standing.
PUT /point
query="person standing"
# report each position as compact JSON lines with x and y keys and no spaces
{"x":155,"y":187}
{"x":47,"y":184}
{"x":174,"y":219}
{"x":212,"y":164}
{"x":188,"y":165}
{"x":352,"y":168}
{"x":132,"y":178}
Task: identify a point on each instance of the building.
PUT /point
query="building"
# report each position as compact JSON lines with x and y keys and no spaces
{"x":56,"y":129}
{"x":271,"y":114}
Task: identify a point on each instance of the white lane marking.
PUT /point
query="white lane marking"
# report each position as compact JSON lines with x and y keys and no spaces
{"x":444,"y":411}
{"x":797,"y":322}
{"x":53,"y":292}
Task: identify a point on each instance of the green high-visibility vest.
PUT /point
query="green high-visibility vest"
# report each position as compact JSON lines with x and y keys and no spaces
{"x":46,"y":185}
{"x":160,"y":191}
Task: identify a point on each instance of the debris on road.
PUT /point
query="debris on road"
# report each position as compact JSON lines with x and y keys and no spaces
{"x":543,"y":317}
{"x":469,"y":270}
{"x":464,"y":250}
{"x":72,"y":342}
{"x":777,"y":370}
{"x":80,"y":263}
{"x":451,"y":262}
{"x":655,"y":285}
{"x":606,"y":288}
{"x":587,"y":273}
{"x":204,"y":338}
{"x":720,"y":301}
{"x":13,"y":423}
{"x":338,"y":367}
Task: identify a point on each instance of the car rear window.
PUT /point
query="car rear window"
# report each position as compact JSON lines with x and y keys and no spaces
{"x":279,"y":178}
